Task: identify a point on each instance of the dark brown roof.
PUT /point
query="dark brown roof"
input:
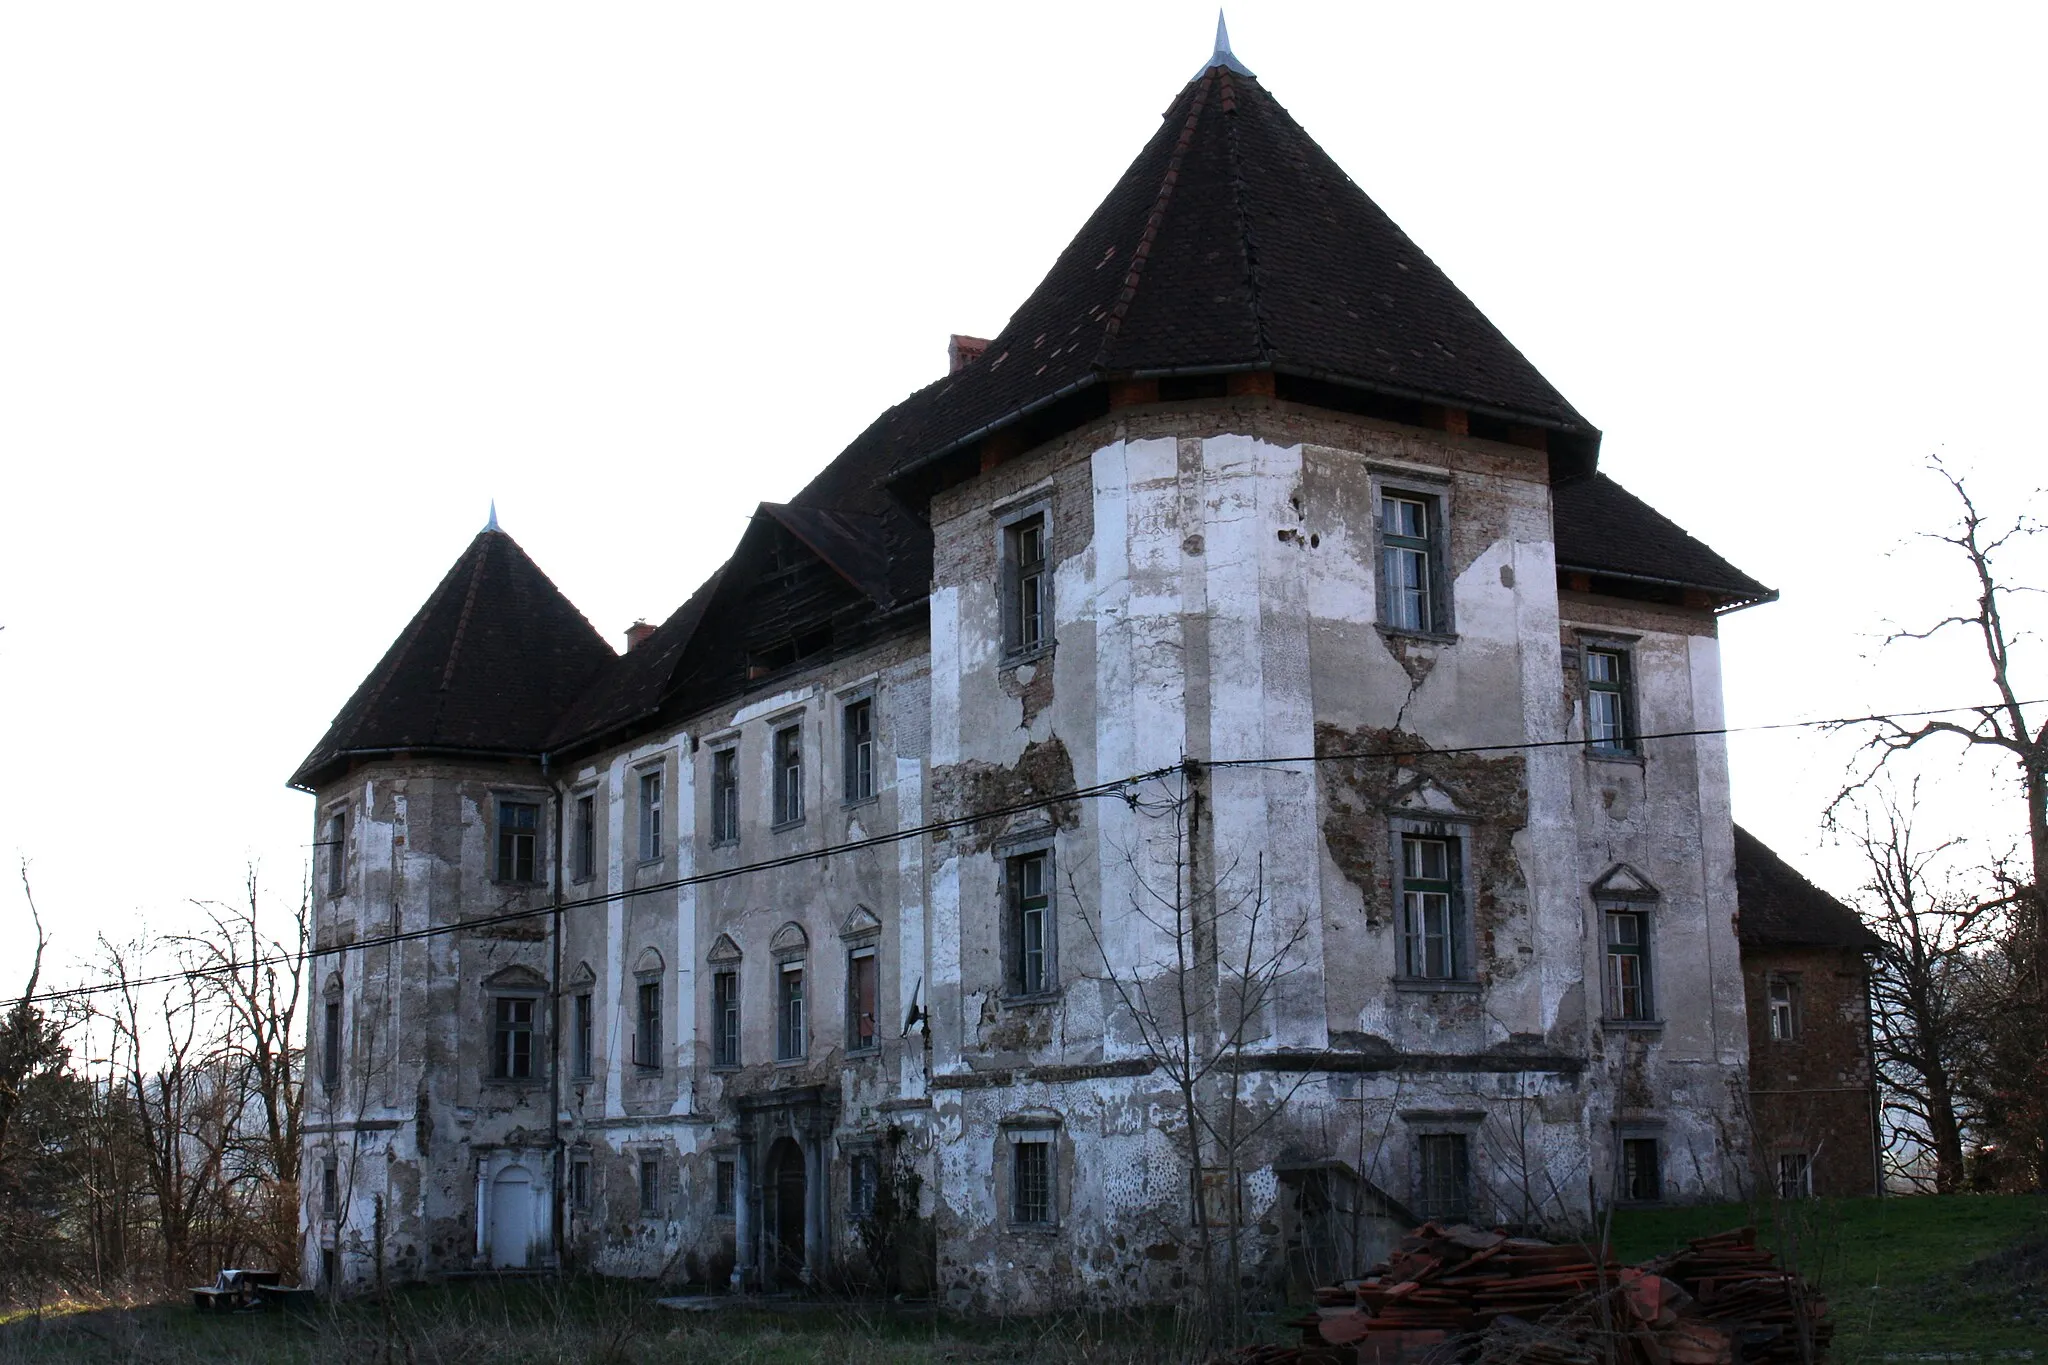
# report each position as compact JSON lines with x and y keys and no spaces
{"x":1778,"y":908}
{"x":495,"y":655}
{"x":1235,"y":242}
{"x":1602,"y":528}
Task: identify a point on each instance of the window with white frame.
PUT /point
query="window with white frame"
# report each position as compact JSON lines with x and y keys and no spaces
{"x":518,"y":841}
{"x":857,"y":729}
{"x":790,"y":1043}
{"x":788,"y":751}
{"x":1610,"y":701}
{"x":1628,"y":963}
{"x":1028,"y":923}
{"x":1027,"y":585}
{"x":650,"y":814}
{"x":1413,"y":585}
{"x":1784,"y":1007}
{"x":1431,"y":909}
{"x":725,"y":1018}
{"x":725,"y":795}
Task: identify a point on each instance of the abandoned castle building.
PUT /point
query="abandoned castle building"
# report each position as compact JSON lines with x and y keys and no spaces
{"x":1202,"y":763}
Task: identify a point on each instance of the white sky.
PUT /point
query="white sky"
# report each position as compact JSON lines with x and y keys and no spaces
{"x":289,"y":293}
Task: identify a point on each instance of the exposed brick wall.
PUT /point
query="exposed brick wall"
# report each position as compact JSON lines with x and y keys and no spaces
{"x":1812,"y":1092}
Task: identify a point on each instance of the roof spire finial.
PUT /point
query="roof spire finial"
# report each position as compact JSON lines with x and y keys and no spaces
{"x":1223,"y":56}
{"x":492,"y":524}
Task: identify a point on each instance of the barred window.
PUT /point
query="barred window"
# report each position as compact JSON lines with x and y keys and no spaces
{"x":1443,"y":1178}
{"x":1795,"y":1175}
{"x":1031,"y":1181}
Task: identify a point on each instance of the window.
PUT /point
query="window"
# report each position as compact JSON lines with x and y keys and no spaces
{"x":862,"y":1179}
{"x":512,"y":1038}
{"x":518,"y":832}
{"x":330,"y":1045}
{"x":1608,"y":704}
{"x":330,"y":1269}
{"x":585,"y":866}
{"x":1795,"y":1175}
{"x":335,"y":848}
{"x":789,"y":1012}
{"x":1031,"y":1180}
{"x":789,"y":775}
{"x":1784,"y":996}
{"x":650,"y":816}
{"x":1029,"y":891}
{"x":1642,"y":1176}
{"x":581,"y":1025}
{"x":330,"y":1189}
{"x":647,"y":1026}
{"x":650,"y":1185}
{"x":1431,"y":927}
{"x":1411,"y":588}
{"x":726,"y":1187}
{"x":1027,"y":590}
{"x":725,"y":1019}
{"x":725,"y":796}
{"x":863,"y":982}
{"x":579,"y":1183}
{"x":1628,"y":964}
{"x":857,"y":725}
{"x":1443,"y":1178}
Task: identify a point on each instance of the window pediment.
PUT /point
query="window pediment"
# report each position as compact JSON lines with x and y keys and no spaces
{"x":724,"y":951}
{"x":515,"y":978}
{"x":1623,"y":883}
{"x":790,"y":940}
{"x":862,"y":923}
{"x":649,"y":963}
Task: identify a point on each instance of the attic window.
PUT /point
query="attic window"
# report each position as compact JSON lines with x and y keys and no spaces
{"x":785,"y":653}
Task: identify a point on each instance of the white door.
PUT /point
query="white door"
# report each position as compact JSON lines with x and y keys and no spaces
{"x":512,"y":1219}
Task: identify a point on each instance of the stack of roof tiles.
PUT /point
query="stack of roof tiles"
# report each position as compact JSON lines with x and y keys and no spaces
{"x":1457,"y":1293}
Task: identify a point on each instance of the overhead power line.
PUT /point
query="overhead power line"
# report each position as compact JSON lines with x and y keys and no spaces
{"x":1117,"y":787}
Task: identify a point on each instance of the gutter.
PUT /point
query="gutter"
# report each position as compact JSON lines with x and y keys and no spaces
{"x":1739,"y":604}
{"x":555,"y":1161}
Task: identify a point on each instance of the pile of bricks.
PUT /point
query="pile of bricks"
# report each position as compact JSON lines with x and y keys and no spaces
{"x":1460,"y":1294}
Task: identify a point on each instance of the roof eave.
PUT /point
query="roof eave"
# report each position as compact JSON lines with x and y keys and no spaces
{"x":1733,"y":600}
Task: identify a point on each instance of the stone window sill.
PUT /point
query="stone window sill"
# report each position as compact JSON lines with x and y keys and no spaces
{"x":1036,"y":998}
{"x":1430,"y":985}
{"x":726,"y":1068}
{"x":733,"y":842}
{"x":870,"y":1050}
{"x":1634,"y":1025}
{"x":1018,"y":658}
{"x":1632,"y":758}
{"x":784,"y":826}
{"x":856,"y":802}
{"x":1046,"y":1230}
{"x":1427,"y":637}
{"x":791,"y":1061}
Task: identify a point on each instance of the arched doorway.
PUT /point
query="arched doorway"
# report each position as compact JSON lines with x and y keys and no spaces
{"x":783,"y":1194}
{"x":512,"y":1205}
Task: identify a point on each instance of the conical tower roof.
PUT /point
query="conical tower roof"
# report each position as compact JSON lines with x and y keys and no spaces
{"x":486,"y":666}
{"x":1234,"y":242}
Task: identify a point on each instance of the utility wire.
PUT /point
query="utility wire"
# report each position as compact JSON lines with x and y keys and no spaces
{"x":1119,"y":787}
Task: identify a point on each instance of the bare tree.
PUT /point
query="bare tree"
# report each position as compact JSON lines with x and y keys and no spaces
{"x":1924,"y":1021}
{"x":1196,"y":1002}
{"x":2003,"y":727}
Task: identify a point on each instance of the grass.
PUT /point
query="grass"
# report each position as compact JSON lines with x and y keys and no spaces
{"x":1956,"y":1279}
{"x":1905,"y":1276}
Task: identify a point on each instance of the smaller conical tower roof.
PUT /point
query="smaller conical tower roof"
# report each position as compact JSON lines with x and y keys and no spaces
{"x":485,"y":667}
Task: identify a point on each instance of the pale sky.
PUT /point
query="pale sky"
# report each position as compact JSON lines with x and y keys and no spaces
{"x":289,"y":293}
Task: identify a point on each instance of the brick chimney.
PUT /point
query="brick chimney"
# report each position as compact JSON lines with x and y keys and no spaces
{"x":963,"y":351}
{"x":636,"y":635}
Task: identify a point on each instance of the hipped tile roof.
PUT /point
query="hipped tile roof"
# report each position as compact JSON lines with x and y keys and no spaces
{"x":1235,"y":242}
{"x":1602,"y":528}
{"x":485,"y":666}
{"x":1779,"y":908}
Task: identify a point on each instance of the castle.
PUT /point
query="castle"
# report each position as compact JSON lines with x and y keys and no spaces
{"x":1220,"y":765}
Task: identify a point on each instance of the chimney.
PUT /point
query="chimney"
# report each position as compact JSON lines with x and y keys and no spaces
{"x":636,"y":635}
{"x":963,"y":351}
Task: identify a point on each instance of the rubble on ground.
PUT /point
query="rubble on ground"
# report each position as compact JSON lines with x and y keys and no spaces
{"x":1461,"y":1294}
